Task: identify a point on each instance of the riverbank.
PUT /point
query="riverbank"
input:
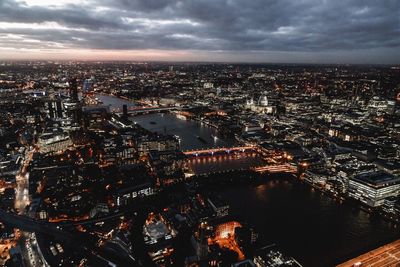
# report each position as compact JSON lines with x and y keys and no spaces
{"x":344,"y":197}
{"x":188,"y":131}
{"x":309,"y":225}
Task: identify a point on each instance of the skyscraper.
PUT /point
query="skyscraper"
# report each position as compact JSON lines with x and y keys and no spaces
{"x":73,"y":105}
{"x":73,"y":90}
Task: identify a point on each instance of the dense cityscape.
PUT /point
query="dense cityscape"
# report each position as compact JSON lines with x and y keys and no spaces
{"x":199,"y":164}
{"x":173,"y":133}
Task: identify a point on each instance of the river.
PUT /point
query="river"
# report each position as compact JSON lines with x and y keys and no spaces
{"x":193,"y":134}
{"x":310,"y":226}
{"x":112,"y":101}
{"x":307,"y":224}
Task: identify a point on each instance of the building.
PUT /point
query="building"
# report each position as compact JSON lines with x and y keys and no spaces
{"x":371,"y":188}
{"x":220,"y":208}
{"x":54,"y":108}
{"x":208,"y":85}
{"x":389,"y":204}
{"x":135,"y":184}
{"x":73,"y":106}
{"x":100,"y":208}
{"x":96,"y":116}
{"x":158,"y":236}
{"x":270,"y":256}
{"x":145,"y":144}
{"x":262,"y":105}
{"x":125,"y":195}
{"x":54,"y":141}
{"x":87,"y":86}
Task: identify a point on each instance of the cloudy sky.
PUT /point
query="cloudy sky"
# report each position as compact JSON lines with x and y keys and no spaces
{"x":309,"y":31}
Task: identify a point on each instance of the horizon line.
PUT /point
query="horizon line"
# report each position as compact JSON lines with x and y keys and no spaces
{"x":197,"y":62}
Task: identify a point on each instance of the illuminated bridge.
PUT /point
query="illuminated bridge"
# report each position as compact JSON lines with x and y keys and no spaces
{"x":283,"y":168}
{"x":224,"y":150}
{"x":224,"y":160}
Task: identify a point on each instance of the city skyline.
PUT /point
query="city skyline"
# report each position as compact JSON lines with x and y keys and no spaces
{"x":359,"y":32}
{"x":162,"y":133}
{"x":176,"y":164}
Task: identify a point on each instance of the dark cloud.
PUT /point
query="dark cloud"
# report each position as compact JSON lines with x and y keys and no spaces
{"x":248,"y":27}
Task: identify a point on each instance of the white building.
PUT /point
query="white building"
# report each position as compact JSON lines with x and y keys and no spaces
{"x":371,"y":188}
{"x":262,"y":105}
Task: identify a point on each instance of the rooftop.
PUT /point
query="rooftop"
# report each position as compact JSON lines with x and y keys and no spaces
{"x":377,"y":178}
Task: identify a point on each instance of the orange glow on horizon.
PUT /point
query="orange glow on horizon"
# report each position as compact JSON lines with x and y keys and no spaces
{"x":95,"y":54}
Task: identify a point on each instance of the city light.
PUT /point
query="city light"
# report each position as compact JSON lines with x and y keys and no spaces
{"x":199,"y":133}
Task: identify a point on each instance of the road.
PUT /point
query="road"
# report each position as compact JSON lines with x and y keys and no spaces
{"x":22,"y":198}
{"x":29,"y":247}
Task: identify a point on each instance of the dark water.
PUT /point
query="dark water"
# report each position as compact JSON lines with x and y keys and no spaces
{"x":112,"y":101}
{"x":188,"y":131}
{"x":312,"y":227}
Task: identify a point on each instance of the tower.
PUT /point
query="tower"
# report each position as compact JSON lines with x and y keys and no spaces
{"x":125,"y":112}
{"x":59,"y":108}
{"x":202,"y":249}
{"x":73,"y":90}
{"x":50,"y":108}
{"x":87,"y":87}
{"x":73,"y":105}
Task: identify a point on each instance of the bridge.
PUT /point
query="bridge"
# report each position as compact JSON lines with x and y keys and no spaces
{"x":212,"y":151}
{"x":282,"y":168}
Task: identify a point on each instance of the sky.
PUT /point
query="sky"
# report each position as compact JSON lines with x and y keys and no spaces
{"x":270,"y":31}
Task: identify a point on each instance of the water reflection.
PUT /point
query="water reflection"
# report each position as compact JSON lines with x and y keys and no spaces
{"x":314,"y":228}
{"x":191,"y":133}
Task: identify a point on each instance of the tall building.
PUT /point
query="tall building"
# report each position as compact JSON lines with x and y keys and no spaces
{"x":73,"y":90}
{"x":54,"y":108}
{"x":202,"y":248}
{"x":73,"y":105}
{"x":372,"y":188}
{"x":87,"y":86}
{"x":125,"y":112}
